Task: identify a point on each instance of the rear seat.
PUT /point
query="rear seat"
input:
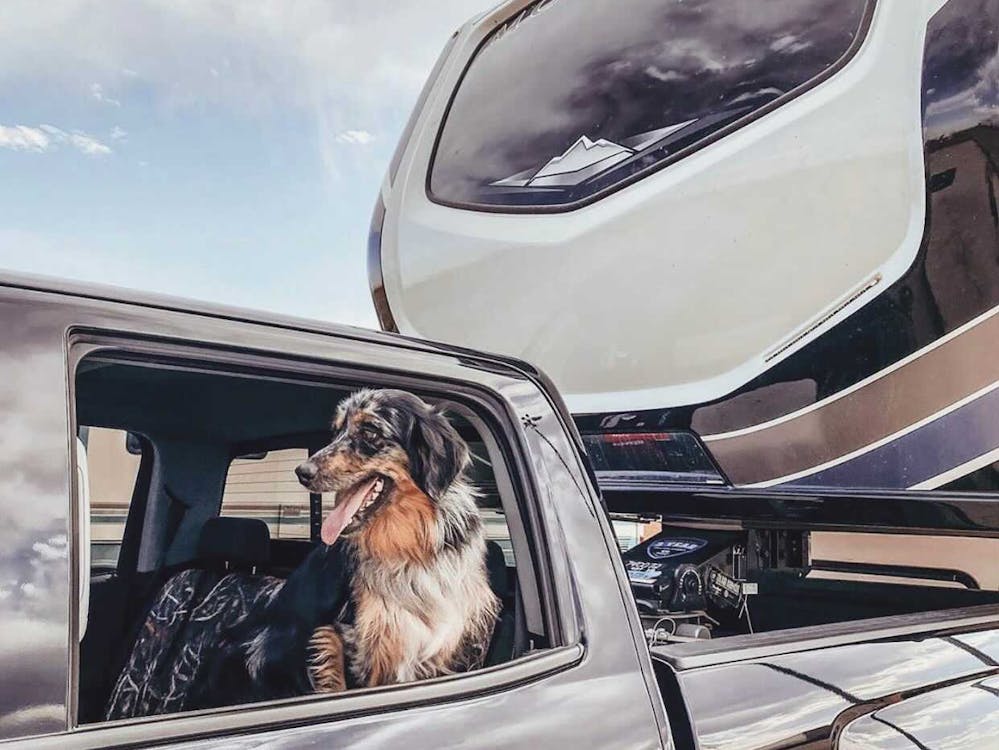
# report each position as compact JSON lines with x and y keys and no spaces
{"x":188,"y":614}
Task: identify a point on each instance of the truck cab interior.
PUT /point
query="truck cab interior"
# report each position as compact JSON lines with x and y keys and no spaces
{"x":205,"y":502}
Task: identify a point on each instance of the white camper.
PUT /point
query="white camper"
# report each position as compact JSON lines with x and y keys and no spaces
{"x":772,"y":225}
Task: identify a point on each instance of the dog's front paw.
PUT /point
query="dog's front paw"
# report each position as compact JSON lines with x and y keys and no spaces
{"x":326,"y":661}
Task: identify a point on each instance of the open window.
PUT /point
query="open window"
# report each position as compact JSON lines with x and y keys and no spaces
{"x":183,"y":444}
{"x":714,"y":561}
{"x":698,"y":581}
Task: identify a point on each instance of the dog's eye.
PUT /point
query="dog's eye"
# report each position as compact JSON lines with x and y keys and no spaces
{"x":370,"y":434}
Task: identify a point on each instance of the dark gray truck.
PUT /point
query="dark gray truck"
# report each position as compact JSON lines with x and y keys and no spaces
{"x":718,"y":629}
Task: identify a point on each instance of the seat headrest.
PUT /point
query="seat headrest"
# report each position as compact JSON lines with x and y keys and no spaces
{"x":237,"y":541}
{"x":496,"y":568}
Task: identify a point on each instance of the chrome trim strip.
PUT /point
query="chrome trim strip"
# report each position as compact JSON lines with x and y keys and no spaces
{"x":82,"y":490}
{"x":823,"y":317}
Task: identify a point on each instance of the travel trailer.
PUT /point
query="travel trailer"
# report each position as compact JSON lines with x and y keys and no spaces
{"x":759,"y":240}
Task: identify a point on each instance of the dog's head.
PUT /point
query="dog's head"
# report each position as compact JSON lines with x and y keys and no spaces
{"x":391,"y":454}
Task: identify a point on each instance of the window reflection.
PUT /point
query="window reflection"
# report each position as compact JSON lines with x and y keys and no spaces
{"x":657,"y":78}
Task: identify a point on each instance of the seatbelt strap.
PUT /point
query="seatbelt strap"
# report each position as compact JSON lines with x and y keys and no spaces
{"x":315,"y":515}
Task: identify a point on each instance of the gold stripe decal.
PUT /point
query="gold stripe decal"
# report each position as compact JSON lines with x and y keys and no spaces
{"x":925,"y":384}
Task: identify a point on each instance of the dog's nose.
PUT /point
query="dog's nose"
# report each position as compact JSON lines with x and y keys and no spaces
{"x":306,"y":472}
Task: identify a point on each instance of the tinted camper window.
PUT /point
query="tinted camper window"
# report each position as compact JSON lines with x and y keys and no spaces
{"x":569,"y":99}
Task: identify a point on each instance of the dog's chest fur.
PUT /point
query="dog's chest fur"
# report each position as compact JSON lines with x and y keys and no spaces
{"x":420,"y":621}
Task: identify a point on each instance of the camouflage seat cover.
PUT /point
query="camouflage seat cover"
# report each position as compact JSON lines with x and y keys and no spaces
{"x":185,"y":622}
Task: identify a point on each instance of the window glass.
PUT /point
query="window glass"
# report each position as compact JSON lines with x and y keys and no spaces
{"x":623,"y":86}
{"x":112,"y":469}
{"x":264,"y":486}
{"x":666,"y":456}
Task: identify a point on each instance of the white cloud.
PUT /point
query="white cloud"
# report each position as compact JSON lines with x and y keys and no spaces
{"x":789,"y":42}
{"x":29,"y":589}
{"x":47,"y":137}
{"x":97,"y":91}
{"x":336,"y":63}
{"x":357,"y":137}
{"x":48,"y":551}
{"x":88,"y":145}
{"x":118,"y":134}
{"x":664,"y":75}
{"x":34,"y":720}
{"x":269,"y":51}
{"x":23,"y":138}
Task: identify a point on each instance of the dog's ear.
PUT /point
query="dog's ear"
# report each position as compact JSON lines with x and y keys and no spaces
{"x":437,"y":453}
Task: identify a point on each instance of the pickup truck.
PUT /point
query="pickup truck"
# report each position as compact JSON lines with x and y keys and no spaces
{"x":718,"y":628}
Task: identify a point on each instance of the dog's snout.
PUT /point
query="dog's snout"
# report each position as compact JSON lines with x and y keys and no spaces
{"x":306,"y":472}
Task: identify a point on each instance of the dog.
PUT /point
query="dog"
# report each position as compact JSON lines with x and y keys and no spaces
{"x":398,"y":590}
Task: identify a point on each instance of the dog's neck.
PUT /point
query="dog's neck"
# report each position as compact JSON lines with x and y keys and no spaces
{"x":412,"y":528}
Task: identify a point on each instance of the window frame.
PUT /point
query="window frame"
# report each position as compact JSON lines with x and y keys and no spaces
{"x":527,"y":585}
{"x":555,"y":602}
{"x":488,"y":26}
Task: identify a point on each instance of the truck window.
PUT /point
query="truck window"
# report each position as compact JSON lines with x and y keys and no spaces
{"x":225,"y":524}
{"x":113,"y":464}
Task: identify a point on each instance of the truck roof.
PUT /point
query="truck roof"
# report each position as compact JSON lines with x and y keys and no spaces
{"x":153,"y":300}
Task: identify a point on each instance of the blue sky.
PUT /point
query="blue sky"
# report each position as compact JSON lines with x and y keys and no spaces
{"x":228,"y":150}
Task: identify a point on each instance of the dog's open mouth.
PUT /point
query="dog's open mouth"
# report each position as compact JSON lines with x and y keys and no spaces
{"x":353,"y":504}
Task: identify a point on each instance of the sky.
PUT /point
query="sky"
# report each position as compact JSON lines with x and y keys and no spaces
{"x":224,"y":150}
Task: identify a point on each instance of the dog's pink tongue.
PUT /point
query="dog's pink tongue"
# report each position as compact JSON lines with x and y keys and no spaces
{"x":344,"y":510}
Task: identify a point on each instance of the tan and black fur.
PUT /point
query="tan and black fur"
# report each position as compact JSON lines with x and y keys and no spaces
{"x":419,"y":590}
{"x":403,"y":592}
